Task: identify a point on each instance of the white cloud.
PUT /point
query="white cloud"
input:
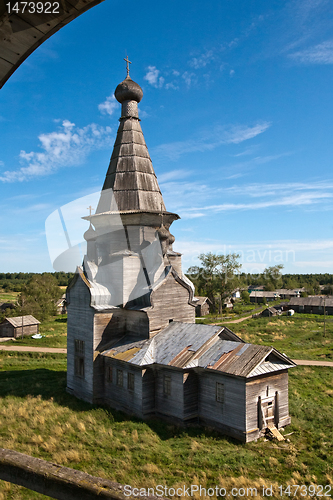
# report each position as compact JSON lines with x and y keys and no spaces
{"x":109,"y":105}
{"x":232,"y":72}
{"x":320,"y":54}
{"x":287,"y":201}
{"x":173,"y":175}
{"x":67,"y":146}
{"x":189,"y":78}
{"x":208,"y":141}
{"x":180,"y":196}
{"x":152,"y":77}
{"x":202,"y":60}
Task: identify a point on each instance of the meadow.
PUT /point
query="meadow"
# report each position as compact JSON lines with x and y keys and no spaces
{"x":39,"y":418}
{"x":302,"y":336}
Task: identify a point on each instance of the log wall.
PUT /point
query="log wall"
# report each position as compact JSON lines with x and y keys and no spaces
{"x":170,"y":301}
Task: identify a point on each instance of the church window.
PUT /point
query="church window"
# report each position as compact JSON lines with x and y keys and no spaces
{"x":109,"y":373}
{"x":219,"y":392}
{"x":120,"y":378}
{"x":167,"y":385}
{"x":79,"y":358}
{"x":130,"y":381}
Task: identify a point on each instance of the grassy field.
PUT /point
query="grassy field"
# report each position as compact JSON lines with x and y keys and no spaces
{"x":8,"y":296}
{"x":39,"y":418}
{"x":300,"y":336}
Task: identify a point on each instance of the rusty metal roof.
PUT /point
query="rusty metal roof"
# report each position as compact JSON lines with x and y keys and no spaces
{"x":186,"y":345}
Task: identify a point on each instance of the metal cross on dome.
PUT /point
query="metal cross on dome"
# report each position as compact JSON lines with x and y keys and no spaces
{"x":127,"y":64}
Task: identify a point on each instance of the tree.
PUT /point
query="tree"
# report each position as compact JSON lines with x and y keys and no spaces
{"x":245,"y":296}
{"x":273,"y":275}
{"x":216,"y":275}
{"x":38,"y":297}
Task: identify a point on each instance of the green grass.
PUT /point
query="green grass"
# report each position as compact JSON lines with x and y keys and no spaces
{"x":54,"y":331}
{"x":39,"y":418}
{"x":300,"y":336}
{"x":8,"y":296}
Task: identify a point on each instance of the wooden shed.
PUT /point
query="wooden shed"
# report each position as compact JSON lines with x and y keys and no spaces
{"x":202,"y":307}
{"x":13,"y":327}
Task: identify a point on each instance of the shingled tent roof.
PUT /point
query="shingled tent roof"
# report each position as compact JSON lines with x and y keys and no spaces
{"x":130,"y":175}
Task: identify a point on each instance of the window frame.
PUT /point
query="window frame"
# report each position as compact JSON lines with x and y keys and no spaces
{"x":120,"y":378}
{"x":130,"y":381}
{"x":219,"y":392}
{"x":79,"y":358}
{"x":167,"y":385}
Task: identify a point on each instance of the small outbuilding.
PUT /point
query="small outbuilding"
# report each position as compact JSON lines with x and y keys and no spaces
{"x":270,"y":311}
{"x":14,"y":327}
{"x":61,"y":305}
{"x":202,"y":307}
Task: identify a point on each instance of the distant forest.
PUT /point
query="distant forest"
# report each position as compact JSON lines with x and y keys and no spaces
{"x":12,"y":282}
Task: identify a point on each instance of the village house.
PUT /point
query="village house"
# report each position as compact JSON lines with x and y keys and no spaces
{"x":311,"y":305}
{"x":288,"y":294}
{"x":258,"y":297}
{"x":202,"y":306}
{"x":18,"y":326}
{"x":132,"y":341}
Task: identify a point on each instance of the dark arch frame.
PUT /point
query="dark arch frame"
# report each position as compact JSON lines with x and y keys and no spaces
{"x":21,"y":34}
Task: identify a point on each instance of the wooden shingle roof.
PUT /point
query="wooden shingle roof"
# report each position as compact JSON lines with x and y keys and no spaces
{"x":27,"y":321}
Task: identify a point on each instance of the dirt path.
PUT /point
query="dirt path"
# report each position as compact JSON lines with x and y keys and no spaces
{"x":232,"y":321}
{"x":305,"y":362}
{"x":32,"y":349}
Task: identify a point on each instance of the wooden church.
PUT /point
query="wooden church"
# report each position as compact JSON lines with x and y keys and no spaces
{"x":132,"y":339}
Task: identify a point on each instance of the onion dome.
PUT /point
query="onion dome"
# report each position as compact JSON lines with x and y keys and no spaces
{"x":171,"y":238}
{"x":90,"y":234}
{"x":163,"y":233}
{"x":128,"y":91}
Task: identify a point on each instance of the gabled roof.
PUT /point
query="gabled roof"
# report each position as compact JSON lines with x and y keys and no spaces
{"x":187,"y":345}
{"x":17,"y":321}
{"x":200,"y":301}
{"x":263,"y":294}
{"x":311,"y":301}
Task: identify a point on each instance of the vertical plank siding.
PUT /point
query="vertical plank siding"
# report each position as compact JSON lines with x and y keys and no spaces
{"x":169,"y":405}
{"x":148,"y":393}
{"x":190,"y":390}
{"x":257,"y":387}
{"x":80,"y":326}
{"x":229,"y":416}
{"x":120,"y":397}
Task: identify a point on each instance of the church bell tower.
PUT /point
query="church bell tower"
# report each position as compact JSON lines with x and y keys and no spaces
{"x":131,"y":282}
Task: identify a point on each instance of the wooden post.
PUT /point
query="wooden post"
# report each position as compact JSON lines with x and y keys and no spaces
{"x":260,"y":420}
{"x":276,"y":410}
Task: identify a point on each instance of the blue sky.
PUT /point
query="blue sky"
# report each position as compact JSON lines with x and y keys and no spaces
{"x":237,"y":115}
